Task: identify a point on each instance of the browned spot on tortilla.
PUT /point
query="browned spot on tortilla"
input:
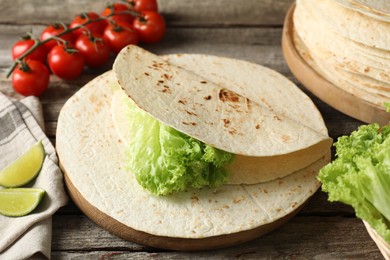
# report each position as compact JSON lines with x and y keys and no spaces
{"x":257,"y":126}
{"x":232,"y":131}
{"x":294,"y":205}
{"x":236,"y":107}
{"x":188,"y":123}
{"x":207,"y":97}
{"x":166,"y":89}
{"x":147,"y":74}
{"x":227,"y":95}
{"x":235,"y":201}
{"x":183,"y":101}
{"x":277,"y":118}
{"x":167,"y":76}
{"x":191,"y":113}
{"x":161,"y":81}
{"x":93,"y":99}
{"x":248,"y":104}
{"x":286,"y":138}
{"x":194,"y":199}
{"x":203,"y":82}
{"x":367,"y":69}
{"x":267,"y":104}
{"x":225,"y":206}
{"x":265,"y":191}
{"x":226,"y":122}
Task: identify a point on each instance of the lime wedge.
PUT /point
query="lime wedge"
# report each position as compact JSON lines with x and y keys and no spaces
{"x":23,"y":169}
{"x":19,"y":201}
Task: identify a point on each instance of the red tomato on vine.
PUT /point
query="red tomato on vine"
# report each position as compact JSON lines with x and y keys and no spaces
{"x":65,"y":62}
{"x":22,"y":46}
{"x":53,"y":30}
{"x":94,"y":27}
{"x":117,"y":8}
{"x":144,"y":5}
{"x":30,"y":78}
{"x":94,"y":50}
{"x":118,"y":35}
{"x":150,"y":26}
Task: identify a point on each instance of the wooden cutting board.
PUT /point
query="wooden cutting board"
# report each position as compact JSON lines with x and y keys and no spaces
{"x":326,"y":91}
{"x":92,"y":158}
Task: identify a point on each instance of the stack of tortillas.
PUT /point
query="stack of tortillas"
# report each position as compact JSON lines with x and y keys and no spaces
{"x":276,"y":132}
{"x":348,"y":43}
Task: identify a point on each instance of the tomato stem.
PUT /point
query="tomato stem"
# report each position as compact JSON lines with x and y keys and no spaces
{"x":66,"y":30}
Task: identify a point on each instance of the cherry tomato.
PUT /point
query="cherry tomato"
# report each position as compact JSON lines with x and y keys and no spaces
{"x":118,"y":35}
{"x":144,"y":5}
{"x":94,"y":50}
{"x":150,"y":26}
{"x":20,"y":47}
{"x":94,"y":27}
{"x":53,"y":30}
{"x":66,"y":63}
{"x":31,"y":79}
{"x":117,"y":8}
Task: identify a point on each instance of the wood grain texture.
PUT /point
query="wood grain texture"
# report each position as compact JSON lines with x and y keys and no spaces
{"x":76,"y":236}
{"x":177,"y":12}
{"x":245,"y":29}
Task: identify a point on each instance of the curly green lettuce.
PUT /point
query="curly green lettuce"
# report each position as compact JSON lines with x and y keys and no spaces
{"x":165,"y":160}
{"x":360,"y":175}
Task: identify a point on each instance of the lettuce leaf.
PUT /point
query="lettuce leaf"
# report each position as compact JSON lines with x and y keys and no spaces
{"x":360,"y":175}
{"x":165,"y":160}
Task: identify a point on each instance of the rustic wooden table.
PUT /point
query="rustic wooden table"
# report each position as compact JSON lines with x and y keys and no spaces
{"x":249,"y":30}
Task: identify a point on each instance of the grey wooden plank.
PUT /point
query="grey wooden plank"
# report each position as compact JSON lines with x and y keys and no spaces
{"x":176,"y":12}
{"x":301,"y":238}
{"x":261,"y":45}
{"x":225,"y":12}
{"x":44,"y":11}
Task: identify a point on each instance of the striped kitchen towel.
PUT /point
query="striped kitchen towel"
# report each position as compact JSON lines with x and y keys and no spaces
{"x":21,"y":124}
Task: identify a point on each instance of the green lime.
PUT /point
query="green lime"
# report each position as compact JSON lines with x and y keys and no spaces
{"x":23,"y":169}
{"x":19,"y":201}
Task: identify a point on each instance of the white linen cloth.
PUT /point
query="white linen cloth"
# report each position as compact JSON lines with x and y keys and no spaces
{"x":21,"y":126}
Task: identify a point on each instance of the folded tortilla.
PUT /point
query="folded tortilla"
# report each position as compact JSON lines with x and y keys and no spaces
{"x":263,"y":130}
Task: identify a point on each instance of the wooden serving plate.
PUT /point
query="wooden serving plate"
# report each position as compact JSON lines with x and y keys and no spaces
{"x":322,"y":88}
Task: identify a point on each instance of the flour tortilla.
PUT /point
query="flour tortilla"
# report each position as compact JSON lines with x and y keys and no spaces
{"x":376,"y":9}
{"x":210,"y":113}
{"x":93,"y":157}
{"x":260,"y":84}
{"x":333,"y":76}
{"x":353,"y":67}
{"x":348,"y":23}
{"x":334,"y":48}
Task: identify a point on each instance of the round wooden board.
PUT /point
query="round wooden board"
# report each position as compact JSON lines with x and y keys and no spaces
{"x":322,"y":88}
